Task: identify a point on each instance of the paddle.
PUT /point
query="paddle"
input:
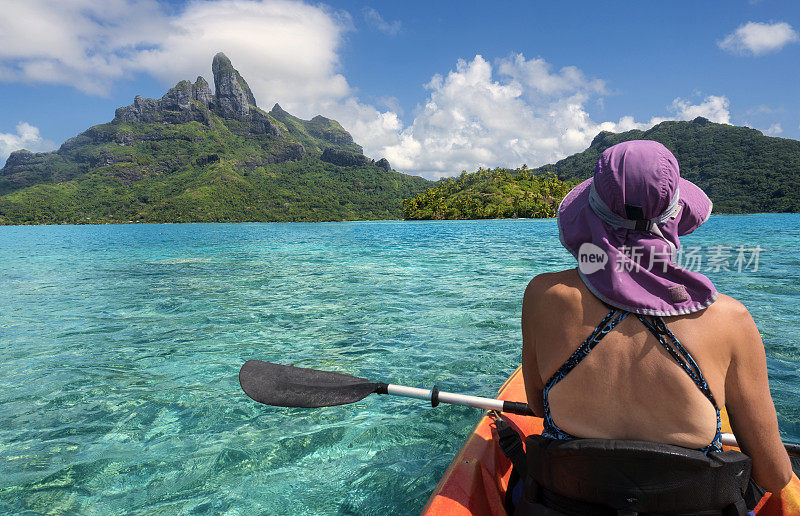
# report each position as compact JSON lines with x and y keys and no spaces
{"x":288,"y":386}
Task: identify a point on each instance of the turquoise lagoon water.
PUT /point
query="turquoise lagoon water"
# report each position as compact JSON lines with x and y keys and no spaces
{"x":120,"y":348}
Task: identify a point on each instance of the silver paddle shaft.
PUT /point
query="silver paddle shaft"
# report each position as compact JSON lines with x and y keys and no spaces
{"x":435,"y":395}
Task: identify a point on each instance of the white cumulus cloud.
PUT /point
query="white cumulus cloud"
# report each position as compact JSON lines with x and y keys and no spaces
{"x":761,"y":109}
{"x":287,"y":50}
{"x":81,"y":43}
{"x":714,"y":108}
{"x":26,"y":137}
{"x":774,"y":130}
{"x":519,"y":111}
{"x":757,"y":38}
{"x":375,"y":20}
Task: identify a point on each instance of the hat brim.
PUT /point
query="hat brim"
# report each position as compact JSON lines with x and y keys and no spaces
{"x":695,"y":207}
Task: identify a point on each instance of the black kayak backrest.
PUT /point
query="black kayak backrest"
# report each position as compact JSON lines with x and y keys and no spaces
{"x":639,"y":476}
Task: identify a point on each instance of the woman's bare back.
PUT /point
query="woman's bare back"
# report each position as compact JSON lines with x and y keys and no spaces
{"x":629,"y":387}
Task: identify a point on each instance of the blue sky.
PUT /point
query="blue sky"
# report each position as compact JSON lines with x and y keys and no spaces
{"x":437,"y":87}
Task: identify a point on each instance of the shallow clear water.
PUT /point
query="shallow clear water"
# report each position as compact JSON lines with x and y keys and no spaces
{"x":120,"y":348}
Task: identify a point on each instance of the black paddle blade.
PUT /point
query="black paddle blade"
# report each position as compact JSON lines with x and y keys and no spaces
{"x":289,"y":386}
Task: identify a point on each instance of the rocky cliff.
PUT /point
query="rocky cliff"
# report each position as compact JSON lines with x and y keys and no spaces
{"x":233,"y":94}
{"x":187,"y":102}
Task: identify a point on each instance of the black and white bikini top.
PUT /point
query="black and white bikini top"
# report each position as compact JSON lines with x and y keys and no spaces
{"x":665,"y":337}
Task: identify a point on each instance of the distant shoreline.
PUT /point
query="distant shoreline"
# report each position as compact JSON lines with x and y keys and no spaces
{"x":348,"y":220}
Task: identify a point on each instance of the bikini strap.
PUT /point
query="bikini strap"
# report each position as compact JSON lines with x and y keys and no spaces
{"x":685,"y":360}
{"x":614,"y":317}
{"x":681,"y":355}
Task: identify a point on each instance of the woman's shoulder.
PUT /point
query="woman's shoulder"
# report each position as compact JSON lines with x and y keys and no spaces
{"x":561,"y":279}
{"x":725,"y":303}
{"x":727,"y":309}
{"x":555,"y":287}
{"x":732,"y":321}
{"x":726,"y":323}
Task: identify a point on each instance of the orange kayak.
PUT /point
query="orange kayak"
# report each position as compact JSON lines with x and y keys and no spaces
{"x":476,"y":481}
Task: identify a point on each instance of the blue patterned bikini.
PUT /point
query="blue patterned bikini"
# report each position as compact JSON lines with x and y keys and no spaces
{"x":660,"y":331}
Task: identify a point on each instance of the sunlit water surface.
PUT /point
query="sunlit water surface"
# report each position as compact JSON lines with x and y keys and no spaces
{"x":120,"y":348}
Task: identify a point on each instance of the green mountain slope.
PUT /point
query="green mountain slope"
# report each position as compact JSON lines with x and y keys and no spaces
{"x":316,"y":134}
{"x":740,"y":169}
{"x":194,"y":156}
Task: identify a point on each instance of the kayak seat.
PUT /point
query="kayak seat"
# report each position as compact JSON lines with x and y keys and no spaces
{"x":624,"y":477}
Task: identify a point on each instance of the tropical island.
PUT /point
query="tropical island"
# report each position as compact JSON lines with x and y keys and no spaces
{"x":198,"y":156}
{"x":490,"y":194}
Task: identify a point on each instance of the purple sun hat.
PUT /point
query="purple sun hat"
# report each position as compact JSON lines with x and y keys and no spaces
{"x":623,"y":225}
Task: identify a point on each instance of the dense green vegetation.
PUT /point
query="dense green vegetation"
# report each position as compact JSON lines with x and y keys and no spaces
{"x":316,"y":134}
{"x":740,"y":169}
{"x":306,"y":190}
{"x":486,"y":194}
